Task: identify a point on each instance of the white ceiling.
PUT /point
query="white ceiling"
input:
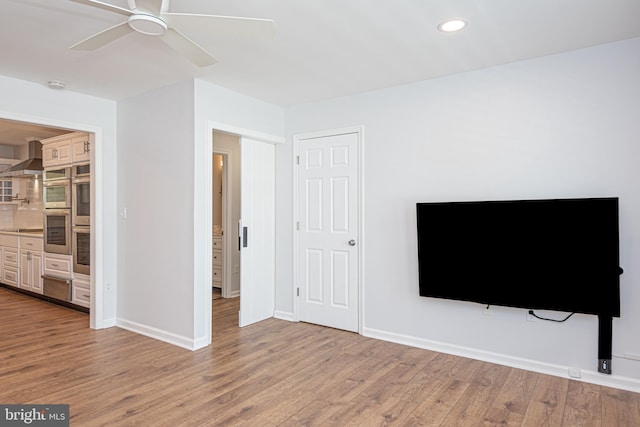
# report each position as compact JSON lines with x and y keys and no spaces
{"x":19,"y":133}
{"x":323,"y":48}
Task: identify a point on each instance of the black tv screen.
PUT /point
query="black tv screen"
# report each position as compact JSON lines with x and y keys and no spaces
{"x":559,"y":254}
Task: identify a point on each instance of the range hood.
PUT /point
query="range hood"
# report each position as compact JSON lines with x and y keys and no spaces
{"x":26,"y":168}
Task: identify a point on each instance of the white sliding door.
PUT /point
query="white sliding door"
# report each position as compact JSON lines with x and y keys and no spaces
{"x":257,"y":231}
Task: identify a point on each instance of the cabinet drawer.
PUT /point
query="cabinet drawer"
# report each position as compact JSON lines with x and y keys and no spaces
{"x":10,"y":256}
{"x":217,"y":242}
{"x":58,"y":266}
{"x":217,"y":257}
{"x":81,"y":295}
{"x":81,"y":290}
{"x":216,"y":274}
{"x":31,"y":244}
{"x":9,"y":240}
{"x":10,"y":276}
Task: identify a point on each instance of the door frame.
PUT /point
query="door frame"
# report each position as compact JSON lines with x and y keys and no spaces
{"x":359,"y":130}
{"x":227,"y":223}
{"x":97,"y":285}
{"x":204,"y":200}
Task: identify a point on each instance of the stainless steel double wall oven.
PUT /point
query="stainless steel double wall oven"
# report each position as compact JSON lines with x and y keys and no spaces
{"x":56,"y":187}
{"x":67,"y":220}
{"x":56,"y":194}
{"x":81,"y":218}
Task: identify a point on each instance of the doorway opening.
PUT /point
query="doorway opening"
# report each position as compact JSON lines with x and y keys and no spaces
{"x":225,"y":196}
{"x":83,"y":233}
{"x":219,"y":195}
{"x":249,"y":225}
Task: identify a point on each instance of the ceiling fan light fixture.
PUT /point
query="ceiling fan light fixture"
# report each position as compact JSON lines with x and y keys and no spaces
{"x":147,"y":24}
{"x":452,"y":25}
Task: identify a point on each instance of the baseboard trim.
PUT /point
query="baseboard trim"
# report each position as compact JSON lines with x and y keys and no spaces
{"x":201,"y":342}
{"x":158,"y":334}
{"x":283,"y":315}
{"x":108,"y":323}
{"x":624,"y":383}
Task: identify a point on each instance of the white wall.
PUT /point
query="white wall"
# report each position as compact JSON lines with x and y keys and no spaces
{"x":155,"y":185}
{"x":559,"y":126}
{"x":218,"y":106}
{"x":164,"y":182}
{"x":36,"y":103}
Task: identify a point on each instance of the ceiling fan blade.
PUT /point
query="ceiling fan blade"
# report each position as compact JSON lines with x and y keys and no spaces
{"x":226,"y":25}
{"x":106,"y":6}
{"x":103,"y":37}
{"x":153,"y":6}
{"x":187,"y":48}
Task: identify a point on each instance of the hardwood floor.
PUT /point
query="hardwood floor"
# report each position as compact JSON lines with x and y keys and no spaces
{"x":274,"y":373}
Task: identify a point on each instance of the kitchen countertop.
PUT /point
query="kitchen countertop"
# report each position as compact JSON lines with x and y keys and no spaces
{"x":23,"y":232}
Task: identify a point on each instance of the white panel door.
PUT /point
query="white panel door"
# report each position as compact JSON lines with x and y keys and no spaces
{"x":328,"y":257}
{"x":257,"y":231}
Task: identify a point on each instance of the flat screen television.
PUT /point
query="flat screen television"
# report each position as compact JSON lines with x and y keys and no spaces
{"x":559,"y":254}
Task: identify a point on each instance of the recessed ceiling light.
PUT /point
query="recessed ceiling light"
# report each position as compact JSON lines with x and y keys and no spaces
{"x":452,"y":25}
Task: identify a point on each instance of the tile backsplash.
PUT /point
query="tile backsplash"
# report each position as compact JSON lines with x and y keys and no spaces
{"x":6,"y":216}
{"x":20,"y":214}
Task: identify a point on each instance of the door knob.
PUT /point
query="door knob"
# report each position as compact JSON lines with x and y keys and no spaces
{"x":352,"y":242}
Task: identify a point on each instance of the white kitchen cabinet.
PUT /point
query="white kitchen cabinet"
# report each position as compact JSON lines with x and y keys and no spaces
{"x":23,"y":263}
{"x":65,"y":149}
{"x":57,"y":265}
{"x":6,"y":184}
{"x":31,"y":264}
{"x":57,"y":153}
{"x":217,"y":271}
{"x":10,"y":260}
{"x":31,"y":271}
{"x":80,"y":149}
{"x":49,"y":155}
{"x":6,"y":191}
{"x":81,"y":290}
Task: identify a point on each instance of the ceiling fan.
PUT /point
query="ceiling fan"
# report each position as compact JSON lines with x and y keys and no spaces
{"x":151,"y":17}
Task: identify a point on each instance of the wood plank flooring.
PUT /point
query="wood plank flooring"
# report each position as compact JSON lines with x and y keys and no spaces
{"x":274,"y":373}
